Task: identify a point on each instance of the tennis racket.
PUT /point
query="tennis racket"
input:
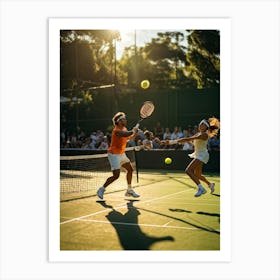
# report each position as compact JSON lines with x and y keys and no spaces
{"x":145,"y":111}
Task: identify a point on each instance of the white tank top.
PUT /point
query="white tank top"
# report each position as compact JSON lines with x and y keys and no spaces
{"x":200,"y":145}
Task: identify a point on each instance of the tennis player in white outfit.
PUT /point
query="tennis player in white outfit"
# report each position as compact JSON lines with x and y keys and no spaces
{"x":207,"y":128}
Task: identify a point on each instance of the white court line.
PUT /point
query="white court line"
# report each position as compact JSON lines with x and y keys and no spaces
{"x":188,"y":203}
{"x":143,"y":225}
{"x":118,"y":207}
{"x":198,"y":199}
{"x":165,"y":225}
{"x":158,"y":198}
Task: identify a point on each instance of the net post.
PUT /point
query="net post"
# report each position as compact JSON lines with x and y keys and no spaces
{"x":136,"y":164}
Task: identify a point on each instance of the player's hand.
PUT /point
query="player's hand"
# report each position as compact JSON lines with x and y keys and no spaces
{"x":135,"y":130}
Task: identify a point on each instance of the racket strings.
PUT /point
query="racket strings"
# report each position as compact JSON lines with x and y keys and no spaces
{"x":146,"y":110}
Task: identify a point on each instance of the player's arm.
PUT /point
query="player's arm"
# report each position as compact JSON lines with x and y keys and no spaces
{"x":135,"y":132}
{"x":124,"y":133}
{"x":130,"y":133}
{"x":202,"y":136}
{"x":175,"y":142}
{"x":199,"y":135}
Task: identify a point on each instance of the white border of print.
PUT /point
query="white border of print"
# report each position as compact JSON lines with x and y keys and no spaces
{"x":57,"y":24}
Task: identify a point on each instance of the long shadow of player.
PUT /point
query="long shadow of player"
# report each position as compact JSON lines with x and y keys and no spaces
{"x":129,"y":232}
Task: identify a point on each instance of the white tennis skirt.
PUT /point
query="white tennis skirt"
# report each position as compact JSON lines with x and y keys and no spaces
{"x":202,"y":156}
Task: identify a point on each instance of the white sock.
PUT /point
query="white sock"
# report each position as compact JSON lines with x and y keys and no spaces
{"x":200,"y":186}
{"x":129,"y":187}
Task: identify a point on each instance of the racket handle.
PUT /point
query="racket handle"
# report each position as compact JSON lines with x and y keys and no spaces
{"x":137,"y":125}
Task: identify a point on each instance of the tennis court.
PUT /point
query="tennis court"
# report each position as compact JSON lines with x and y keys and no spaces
{"x":167,"y":216}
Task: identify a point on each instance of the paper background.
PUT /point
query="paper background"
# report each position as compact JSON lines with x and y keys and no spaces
{"x":24,"y":139}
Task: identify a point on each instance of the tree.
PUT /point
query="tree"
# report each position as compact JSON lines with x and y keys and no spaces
{"x":87,"y":55}
{"x":203,"y":57}
{"x":135,"y":66}
{"x":161,"y":61}
{"x":169,"y":56}
{"x":87,"y":59}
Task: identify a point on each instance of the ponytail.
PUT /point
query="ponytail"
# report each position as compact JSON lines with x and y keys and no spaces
{"x":214,"y":126}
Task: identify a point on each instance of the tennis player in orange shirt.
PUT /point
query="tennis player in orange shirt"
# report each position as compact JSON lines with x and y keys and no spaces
{"x":117,"y":156}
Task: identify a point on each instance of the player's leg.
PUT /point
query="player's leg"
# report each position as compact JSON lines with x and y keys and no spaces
{"x":110,"y":180}
{"x":115,"y":167}
{"x":114,"y":177}
{"x":190,"y":170}
{"x":129,"y":169}
{"x":198,"y":174}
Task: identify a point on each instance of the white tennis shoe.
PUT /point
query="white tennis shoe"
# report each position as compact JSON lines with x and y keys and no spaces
{"x":131,"y":193}
{"x":200,"y":192}
{"x":100,"y":192}
{"x":212,"y":187}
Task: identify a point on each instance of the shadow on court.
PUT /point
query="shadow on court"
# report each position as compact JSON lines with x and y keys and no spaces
{"x":181,"y":182}
{"x":129,"y":232}
{"x":179,"y":210}
{"x":209,"y":214}
{"x":202,"y":227}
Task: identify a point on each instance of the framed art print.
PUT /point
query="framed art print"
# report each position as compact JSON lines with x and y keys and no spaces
{"x":156,"y":191}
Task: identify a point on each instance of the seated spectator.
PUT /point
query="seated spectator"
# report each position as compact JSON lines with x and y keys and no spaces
{"x":66,"y":145}
{"x":167,"y":134}
{"x":82,"y":136}
{"x":188,"y":132}
{"x":195,"y":130}
{"x":139,"y":142}
{"x":131,"y":143}
{"x":104,"y":145}
{"x":147,"y":142}
{"x":86,"y":145}
{"x":94,"y":137}
{"x":62,"y":136}
{"x":92,"y":144}
{"x":188,"y":146}
{"x":100,"y":134}
{"x":78,"y":144}
{"x":180,"y":132}
{"x":156,"y":143}
{"x":214,"y":143}
{"x":158,"y":131}
{"x":73,"y":139}
{"x":140,"y":136}
{"x":175,"y":133}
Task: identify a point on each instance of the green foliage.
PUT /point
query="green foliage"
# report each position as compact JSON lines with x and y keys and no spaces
{"x":88,"y":61}
{"x":166,"y":46}
{"x":161,"y":61}
{"x":203,"y":57}
{"x":168,"y":56}
{"x":87,"y":55}
{"x":134,"y":66}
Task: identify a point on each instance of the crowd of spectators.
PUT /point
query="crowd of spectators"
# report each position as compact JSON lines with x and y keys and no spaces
{"x":150,"y":139}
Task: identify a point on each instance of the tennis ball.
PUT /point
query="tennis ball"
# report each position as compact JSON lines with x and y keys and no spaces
{"x":145,"y":84}
{"x":168,"y":160}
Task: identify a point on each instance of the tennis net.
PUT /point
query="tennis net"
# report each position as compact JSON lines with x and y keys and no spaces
{"x":82,"y":175}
